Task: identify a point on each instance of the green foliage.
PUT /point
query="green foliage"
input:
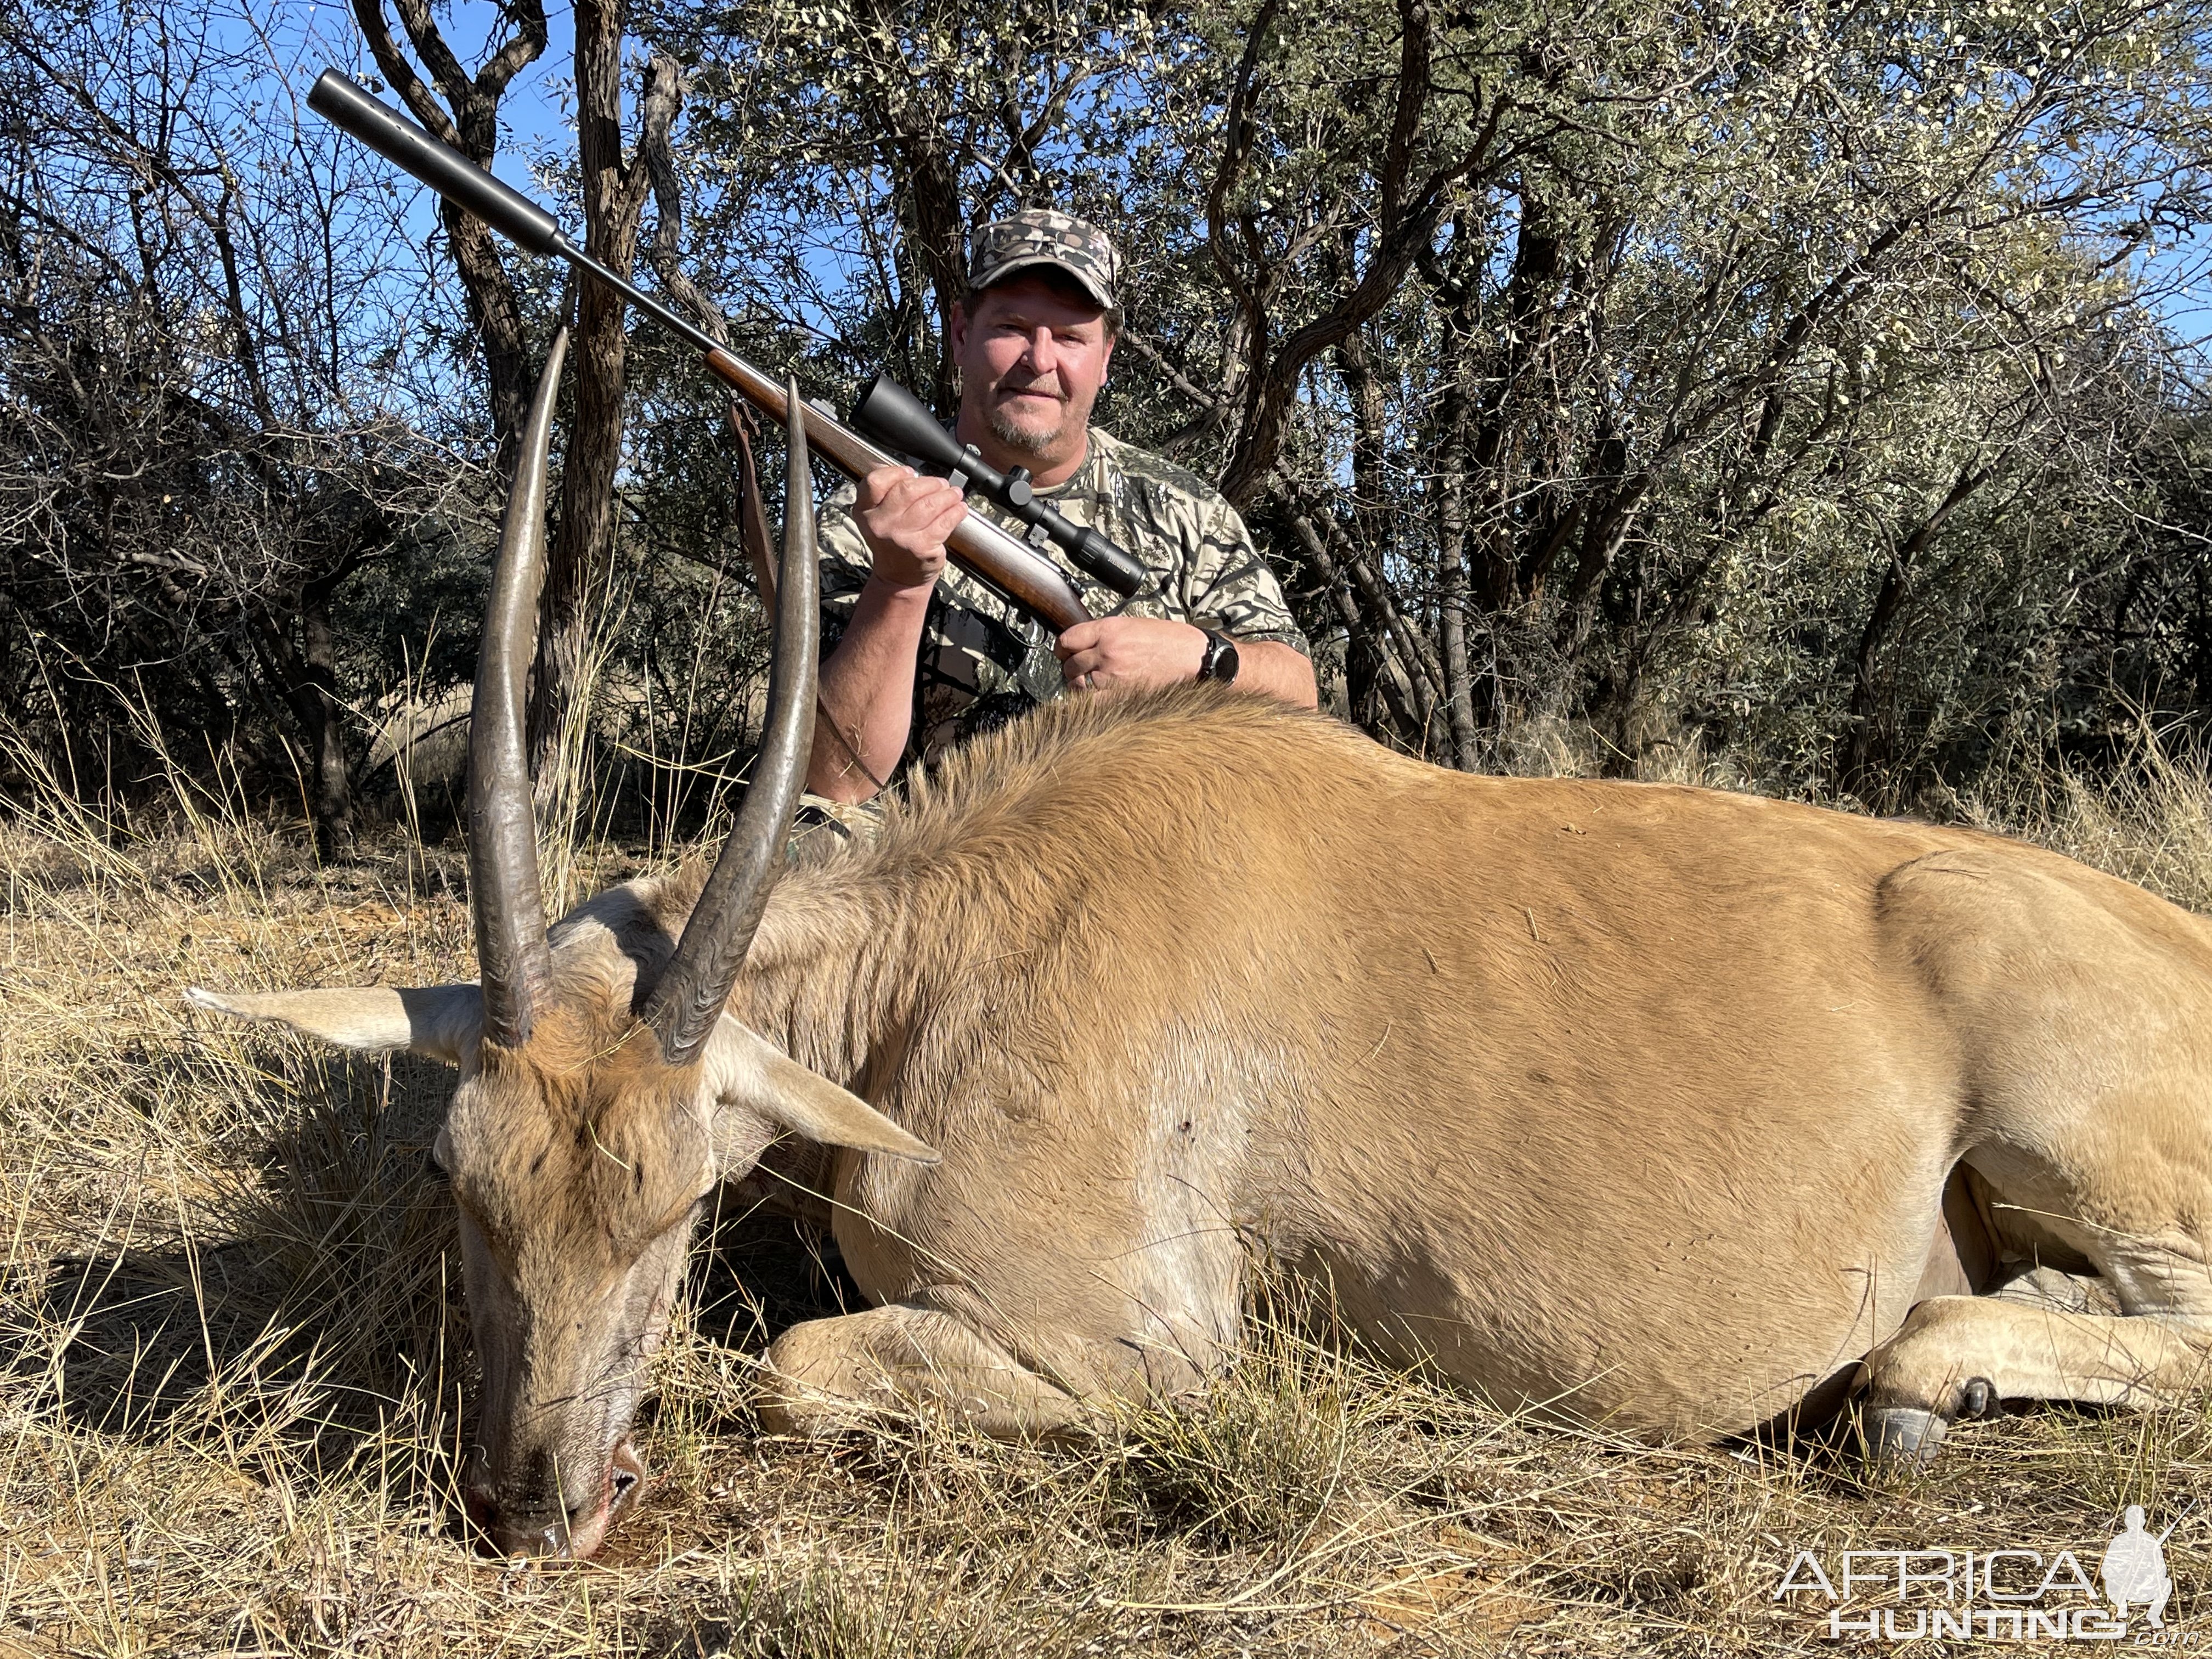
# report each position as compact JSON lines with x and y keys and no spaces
{"x":1690,"y":371}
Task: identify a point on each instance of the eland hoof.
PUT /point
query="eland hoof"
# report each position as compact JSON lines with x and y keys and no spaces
{"x":1901,"y":1437}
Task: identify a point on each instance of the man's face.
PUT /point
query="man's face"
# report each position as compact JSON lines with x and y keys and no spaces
{"x":1032,"y":358}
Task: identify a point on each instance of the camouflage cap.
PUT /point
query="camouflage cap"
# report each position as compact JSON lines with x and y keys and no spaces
{"x":1041,"y":236}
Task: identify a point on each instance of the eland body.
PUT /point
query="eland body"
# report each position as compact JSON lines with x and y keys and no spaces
{"x":1674,"y":1110}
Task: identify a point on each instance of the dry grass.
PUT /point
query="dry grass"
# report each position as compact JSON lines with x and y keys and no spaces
{"x":232,"y":1369}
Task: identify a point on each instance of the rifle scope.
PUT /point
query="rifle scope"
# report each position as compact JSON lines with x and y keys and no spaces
{"x":895,"y":413}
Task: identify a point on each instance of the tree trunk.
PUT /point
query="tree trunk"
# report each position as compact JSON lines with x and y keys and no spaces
{"x":473,"y":128}
{"x":304,"y":673}
{"x":1410,"y":200}
{"x":1856,"y":764}
{"x":933,"y":254}
{"x":2200,"y":640}
{"x":1373,"y":681}
{"x":324,"y":713}
{"x":1369,"y":618}
{"x":583,"y":553}
{"x":1451,"y":488}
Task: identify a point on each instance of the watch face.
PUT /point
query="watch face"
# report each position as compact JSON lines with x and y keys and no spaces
{"x":1220,"y":663}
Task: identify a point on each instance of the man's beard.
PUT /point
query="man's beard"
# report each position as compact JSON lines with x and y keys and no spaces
{"x":1021,"y":440}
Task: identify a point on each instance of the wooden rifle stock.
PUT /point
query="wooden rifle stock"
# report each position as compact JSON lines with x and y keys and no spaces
{"x":1002,"y":562}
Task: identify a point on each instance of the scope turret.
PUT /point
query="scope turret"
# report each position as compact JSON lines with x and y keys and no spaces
{"x":896,"y":415}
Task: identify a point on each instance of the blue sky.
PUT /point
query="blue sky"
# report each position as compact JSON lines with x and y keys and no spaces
{"x":535,"y":116}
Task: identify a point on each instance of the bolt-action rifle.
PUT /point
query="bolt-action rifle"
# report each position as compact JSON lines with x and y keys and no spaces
{"x":1012,"y":567}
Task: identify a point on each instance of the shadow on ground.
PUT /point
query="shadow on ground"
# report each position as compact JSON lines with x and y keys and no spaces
{"x":310,"y":1278}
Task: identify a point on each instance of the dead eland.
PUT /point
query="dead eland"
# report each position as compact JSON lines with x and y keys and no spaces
{"x":1679,"y":1110}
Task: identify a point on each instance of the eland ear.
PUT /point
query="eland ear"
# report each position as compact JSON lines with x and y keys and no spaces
{"x":746,"y":1069}
{"x":439,"y":1021}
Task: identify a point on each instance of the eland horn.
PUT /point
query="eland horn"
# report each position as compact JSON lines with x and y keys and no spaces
{"x":513,"y":959}
{"x":688,"y":999}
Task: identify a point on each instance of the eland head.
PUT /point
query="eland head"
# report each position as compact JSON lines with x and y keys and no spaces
{"x":604,"y":1090}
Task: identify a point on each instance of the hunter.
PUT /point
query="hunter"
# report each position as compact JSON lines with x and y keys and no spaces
{"x":921,"y":657}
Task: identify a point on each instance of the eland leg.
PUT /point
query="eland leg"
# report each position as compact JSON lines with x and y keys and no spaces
{"x":2082,"y":1011}
{"x":831,"y":1375}
{"x":1958,"y":1356}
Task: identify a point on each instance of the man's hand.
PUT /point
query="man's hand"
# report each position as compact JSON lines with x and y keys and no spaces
{"x":904,"y":517}
{"x":1132,"y":650}
{"x":1129,"y":651}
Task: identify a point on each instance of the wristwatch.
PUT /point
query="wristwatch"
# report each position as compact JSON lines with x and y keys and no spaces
{"x":1219,"y":662}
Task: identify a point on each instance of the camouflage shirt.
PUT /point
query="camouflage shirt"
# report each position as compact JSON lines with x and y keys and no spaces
{"x":982,"y":662}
